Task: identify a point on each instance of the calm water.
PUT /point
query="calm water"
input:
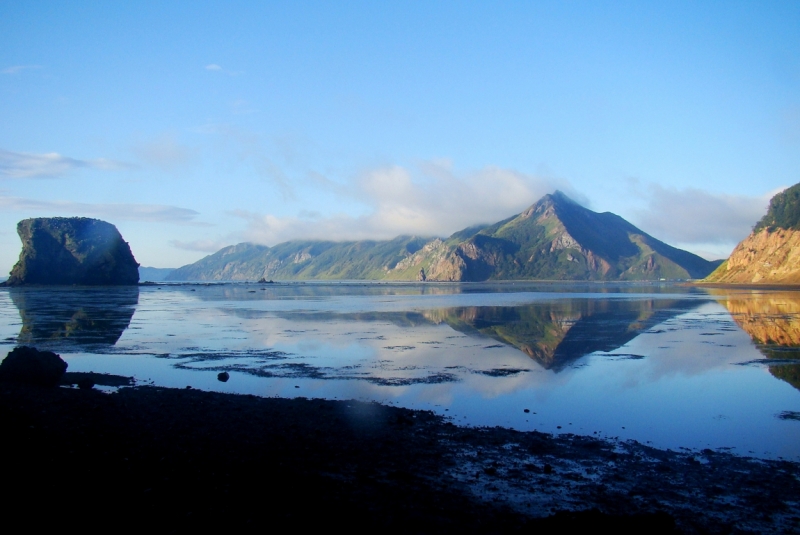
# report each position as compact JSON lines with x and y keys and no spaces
{"x":673,"y":366}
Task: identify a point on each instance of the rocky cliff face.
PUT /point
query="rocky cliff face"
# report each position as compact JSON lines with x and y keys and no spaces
{"x":771,"y":253}
{"x":763,"y":257}
{"x":72,"y":250}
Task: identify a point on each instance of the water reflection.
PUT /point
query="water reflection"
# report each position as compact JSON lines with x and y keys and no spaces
{"x":74,"y":318}
{"x":773,"y":322}
{"x":650,"y":363}
{"x":555,"y":334}
{"x":323,"y":289}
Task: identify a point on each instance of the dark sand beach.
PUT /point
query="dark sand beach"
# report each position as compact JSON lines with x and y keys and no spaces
{"x":185,"y":460}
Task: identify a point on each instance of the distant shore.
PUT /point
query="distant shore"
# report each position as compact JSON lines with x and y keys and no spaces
{"x":746,"y":285}
{"x":182,"y":460}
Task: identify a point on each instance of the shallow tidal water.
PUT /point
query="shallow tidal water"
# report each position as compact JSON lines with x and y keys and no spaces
{"x":668,"y":365}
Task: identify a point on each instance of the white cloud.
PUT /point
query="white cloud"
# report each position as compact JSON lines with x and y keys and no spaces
{"x":213,"y":67}
{"x":435,"y":202}
{"x":695,"y":216}
{"x":153,"y":213}
{"x":16,"y":69}
{"x":49,"y":165}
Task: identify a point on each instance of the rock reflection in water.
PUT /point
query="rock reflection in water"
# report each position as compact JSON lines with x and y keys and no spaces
{"x":773,"y":322}
{"x":74,"y":318}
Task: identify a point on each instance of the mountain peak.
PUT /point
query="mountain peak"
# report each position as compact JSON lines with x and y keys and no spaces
{"x":557,"y":198}
{"x":561,"y":196}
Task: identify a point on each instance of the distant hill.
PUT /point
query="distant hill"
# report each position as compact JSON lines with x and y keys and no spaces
{"x":555,"y":239}
{"x":372,"y":260}
{"x":771,"y":253}
{"x":154,"y":274}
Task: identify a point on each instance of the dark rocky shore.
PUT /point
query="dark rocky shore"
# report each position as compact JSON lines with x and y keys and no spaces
{"x":185,"y":460}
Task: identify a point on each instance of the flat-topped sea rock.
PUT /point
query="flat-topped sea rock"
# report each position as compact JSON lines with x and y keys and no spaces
{"x":74,"y":251}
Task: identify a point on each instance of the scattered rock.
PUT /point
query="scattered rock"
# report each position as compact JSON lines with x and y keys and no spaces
{"x":30,"y":366}
{"x":85,"y":384}
{"x":223,"y":377}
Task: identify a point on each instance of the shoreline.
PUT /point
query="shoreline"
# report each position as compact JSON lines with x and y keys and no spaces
{"x":749,"y":285}
{"x":188,"y":459}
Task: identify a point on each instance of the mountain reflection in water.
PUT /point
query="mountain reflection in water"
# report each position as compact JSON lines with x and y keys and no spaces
{"x":553,"y":333}
{"x":74,"y":317}
{"x":773,"y":322}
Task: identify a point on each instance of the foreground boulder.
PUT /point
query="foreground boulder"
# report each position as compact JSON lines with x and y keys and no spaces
{"x":72,"y":250}
{"x":30,"y":366}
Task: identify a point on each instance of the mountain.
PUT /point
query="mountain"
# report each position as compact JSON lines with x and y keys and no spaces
{"x":555,"y":239}
{"x":558,"y":239}
{"x":771,"y":253}
{"x":370,"y":260}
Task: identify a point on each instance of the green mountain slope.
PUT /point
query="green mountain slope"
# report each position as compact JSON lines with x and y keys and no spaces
{"x":558,"y":239}
{"x":369,"y":260}
{"x":235,"y":262}
{"x":554,"y":239}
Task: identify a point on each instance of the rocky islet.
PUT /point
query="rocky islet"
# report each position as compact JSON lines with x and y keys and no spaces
{"x":72,"y":251}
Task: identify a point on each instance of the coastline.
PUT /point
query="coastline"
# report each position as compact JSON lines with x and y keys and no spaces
{"x":184,"y":459}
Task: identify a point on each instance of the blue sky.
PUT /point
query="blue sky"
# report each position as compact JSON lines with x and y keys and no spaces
{"x":196,"y":125}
